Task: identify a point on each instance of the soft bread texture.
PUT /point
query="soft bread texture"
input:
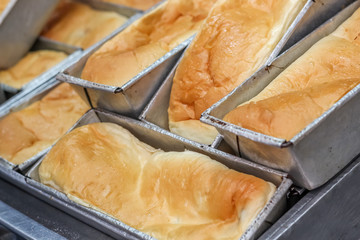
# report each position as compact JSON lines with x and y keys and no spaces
{"x":139,"y":4}
{"x":79,"y":25}
{"x":145,"y":41}
{"x":31,"y":66}
{"x":3,"y":4}
{"x":333,"y":63}
{"x":168,"y":195}
{"x":25,"y":133}
{"x":286,"y":114}
{"x":236,"y":39}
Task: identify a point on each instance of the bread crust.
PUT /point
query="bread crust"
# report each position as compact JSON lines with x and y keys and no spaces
{"x":169,"y":195}
{"x":31,"y":66}
{"x":145,"y":41}
{"x":25,"y":133}
{"x":236,"y":39}
{"x":79,"y":25}
{"x":327,"y":71}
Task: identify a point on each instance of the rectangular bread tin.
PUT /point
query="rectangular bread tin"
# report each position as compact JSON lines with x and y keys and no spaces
{"x":21,"y":101}
{"x":130,"y":98}
{"x":161,"y":139}
{"x":20,"y":25}
{"x":319,"y":151}
{"x":44,"y":43}
{"x":313,"y":14}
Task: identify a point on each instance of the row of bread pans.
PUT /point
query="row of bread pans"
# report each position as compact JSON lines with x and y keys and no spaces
{"x":311,"y":158}
{"x":17,"y":38}
{"x":124,"y":99}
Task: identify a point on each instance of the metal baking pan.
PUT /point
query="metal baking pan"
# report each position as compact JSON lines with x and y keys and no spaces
{"x":315,"y":154}
{"x":158,"y":138}
{"x":23,"y":100}
{"x":20,"y":24}
{"x":125,"y":11}
{"x":43,"y":43}
{"x":312,"y":15}
{"x":130,"y":98}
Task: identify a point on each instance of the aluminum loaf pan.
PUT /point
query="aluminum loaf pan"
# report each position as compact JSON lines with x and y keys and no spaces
{"x":20,"y":25}
{"x":158,"y":138}
{"x":320,"y":150}
{"x":130,"y":13}
{"x":43,"y":43}
{"x":23,"y":100}
{"x":130,"y":98}
{"x":313,"y":14}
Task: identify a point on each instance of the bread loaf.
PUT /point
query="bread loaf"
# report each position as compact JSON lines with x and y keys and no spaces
{"x":331,"y":67}
{"x":79,"y":25}
{"x":236,"y":39}
{"x":168,"y":195}
{"x":139,"y":4}
{"x":25,"y":133}
{"x":31,"y":66}
{"x":145,"y":41}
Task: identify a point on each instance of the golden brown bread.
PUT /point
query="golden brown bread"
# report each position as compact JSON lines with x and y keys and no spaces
{"x":333,"y":62}
{"x":79,"y":25}
{"x":3,"y":4}
{"x":29,"y":67}
{"x":168,"y":195}
{"x":145,"y":41}
{"x":31,"y":130}
{"x":236,"y":39}
{"x":286,"y":114}
{"x":139,"y":4}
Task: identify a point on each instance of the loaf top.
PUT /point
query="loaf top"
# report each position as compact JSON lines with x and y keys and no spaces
{"x":31,"y":66}
{"x":145,"y":41}
{"x":25,"y":133}
{"x":331,"y":67}
{"x":169,"y":195}
{"x":79,"y":25}
{"x":236,"y":39}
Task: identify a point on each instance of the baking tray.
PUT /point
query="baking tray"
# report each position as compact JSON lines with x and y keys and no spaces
{"x":44,"y":43}
{"x":128,"y":12}
{"x":161,"y":139}
{"x":315,"y":154}
{"x":312,"y":15}
{"x":20,"y":24}
{"x":23,"y":100}
{"x":130,"y":98}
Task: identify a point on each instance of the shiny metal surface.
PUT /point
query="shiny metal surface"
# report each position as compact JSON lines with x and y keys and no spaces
{"x":24,"y":226}
{"x":312,"y":15}
{"x":314,"y":155}
{"x":130,"y":98}
{"x":43,"y":43}
{"x":159,"y":138}
{"x":331,"y":212}
{"x":21,"y":101}
{"x":16,"y":193}
{"x":20,"y":24}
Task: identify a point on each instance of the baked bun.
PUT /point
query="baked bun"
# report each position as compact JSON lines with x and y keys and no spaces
{"x":3,"y":4}
{"x":25,"y":133}
{"x":145,"y":41}
{"x":332,"y":66}
{"x":168,"y":195}
{"x":235,"y":41}
{"x":79,"y":25}
{"x":139,"y":4}
{"x":31,"y":66}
